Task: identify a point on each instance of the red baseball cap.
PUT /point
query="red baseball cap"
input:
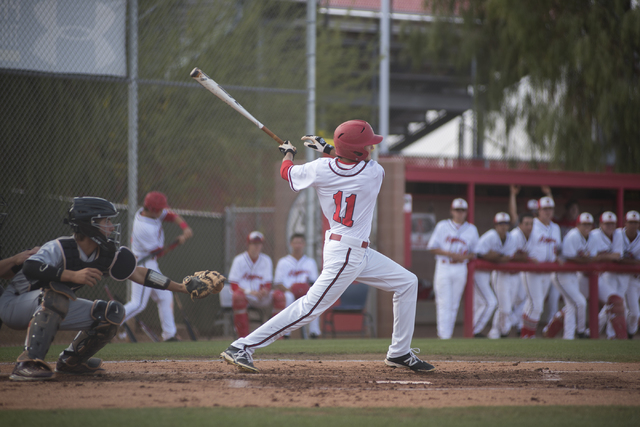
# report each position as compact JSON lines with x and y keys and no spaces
{"x":155,"y":201}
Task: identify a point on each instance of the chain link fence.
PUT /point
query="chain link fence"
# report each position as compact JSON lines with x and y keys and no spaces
{"x":73,"y":107}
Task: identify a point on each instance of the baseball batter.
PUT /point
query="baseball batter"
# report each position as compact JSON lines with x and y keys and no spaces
{"x":251,"y":276}
{"x":147,"y":243}
{"x":573,"y":316}
{"x":601,"y":248}
{"x":495,"y":245}
{"x":347,"y":188}
{"x":629,"y":238}
{"x":294,"y":275}
{"x":41,"y":297}
{"x":544,"y":244}
{"x":453,"y":243}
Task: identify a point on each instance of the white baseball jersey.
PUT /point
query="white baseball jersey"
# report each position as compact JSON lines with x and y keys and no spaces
{"x":147,"y":235}
{"x":346,"y":201}
{"x":452,"y":237}
{"x":599,"y":243}
{"x":623,"y":245}
{"x":249,"y":275}
{"x":290,"y":271}
{"x":574,"y":244}
{"x":491,"y":241}
{"x":544,"y":241}
{"x":519,"y":242}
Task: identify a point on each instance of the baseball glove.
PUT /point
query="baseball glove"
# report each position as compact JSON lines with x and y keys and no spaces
{"x":203,"y":283}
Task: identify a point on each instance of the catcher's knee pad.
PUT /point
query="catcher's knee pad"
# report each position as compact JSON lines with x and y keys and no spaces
{"x":299,"y":289}
{"x":107,"y":312}
{"x":616,"y":316}
{"x":279,"y":300}
{"x":44,"y":325}
{"x":239,"y":301}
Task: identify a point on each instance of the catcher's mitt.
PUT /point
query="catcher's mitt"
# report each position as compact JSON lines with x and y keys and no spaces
{"x":203,"y":283}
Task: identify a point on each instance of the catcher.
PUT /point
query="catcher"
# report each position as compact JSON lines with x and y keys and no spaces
{"x":41,"y":297}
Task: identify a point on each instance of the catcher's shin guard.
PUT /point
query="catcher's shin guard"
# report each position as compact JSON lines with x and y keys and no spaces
{"x":555,"y":326}
{"x":240,"y":316}
{"x":44,"y":325}
{"x":616,"y":316}
{"x":279,"y":302}
{"x":77,"y":357}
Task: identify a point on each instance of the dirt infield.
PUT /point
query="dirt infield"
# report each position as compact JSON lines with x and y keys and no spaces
{"x":358,"y":382}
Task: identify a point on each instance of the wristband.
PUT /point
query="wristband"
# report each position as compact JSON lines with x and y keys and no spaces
{"x":155,"y":280}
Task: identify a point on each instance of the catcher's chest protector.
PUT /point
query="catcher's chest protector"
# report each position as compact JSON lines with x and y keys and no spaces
{"x":73,"y":262}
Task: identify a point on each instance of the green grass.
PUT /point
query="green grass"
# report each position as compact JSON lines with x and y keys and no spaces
{"x":464,"y":349}
{"x":548,"y":416}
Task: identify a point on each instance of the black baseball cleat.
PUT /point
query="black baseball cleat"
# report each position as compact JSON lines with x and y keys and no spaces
{"x":90,"y":367}
{"x":410,"y":361}
{"x":31,"y":370}
{"x":241,"y":358}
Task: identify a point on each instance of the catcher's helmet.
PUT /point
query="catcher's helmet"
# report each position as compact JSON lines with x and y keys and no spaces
{"x":83,"y":218}
{"x":351,"y":137}
{"x":155,"y":201}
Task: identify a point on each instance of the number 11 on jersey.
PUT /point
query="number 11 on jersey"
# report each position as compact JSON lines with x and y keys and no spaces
{"x":347,"y":220}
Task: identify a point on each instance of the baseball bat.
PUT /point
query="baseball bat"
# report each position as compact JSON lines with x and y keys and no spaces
{"x":187,"y":323}
{"x":213,"y":87}
{"x":162,"y":253}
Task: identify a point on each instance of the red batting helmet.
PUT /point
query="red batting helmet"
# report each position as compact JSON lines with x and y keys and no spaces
{"x":155,"y":201}
{"x":351,"y":137}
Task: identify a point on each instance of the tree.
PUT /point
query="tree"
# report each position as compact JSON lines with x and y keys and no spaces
{"x":580,"y":60}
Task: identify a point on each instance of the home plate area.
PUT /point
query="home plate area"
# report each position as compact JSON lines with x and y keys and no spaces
{"x":358,"y":382}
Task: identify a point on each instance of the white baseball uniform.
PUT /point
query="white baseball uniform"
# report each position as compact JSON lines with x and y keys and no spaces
{"x":450,"y":278}
{"x":148,"y":236}
{"x":510,"y":290}
{"x":544,"y":244}
{"x":252,"y":276}
{"x":347,"y":194}
{"x":290,"y":271}
{"x":483,"y":293}
{"x":630,"y":249}
{"x":575,"y":308}
{"x":599,"y":243}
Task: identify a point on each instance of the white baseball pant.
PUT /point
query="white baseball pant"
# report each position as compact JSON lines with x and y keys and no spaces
{"x":507,"y":286}
{"x":314,"y":326}
{"x":633,"y":303}
{"x":485,"y":301}
{"x":345,"y":263}
{"x":537,"y":286}
{"x":448,"y":285}
{"x":140,"y":297}
{"x":614,"y":284}
{"x":575,"y":304}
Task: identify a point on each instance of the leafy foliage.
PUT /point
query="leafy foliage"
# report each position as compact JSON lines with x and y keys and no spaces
{"x":569,"y":69}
